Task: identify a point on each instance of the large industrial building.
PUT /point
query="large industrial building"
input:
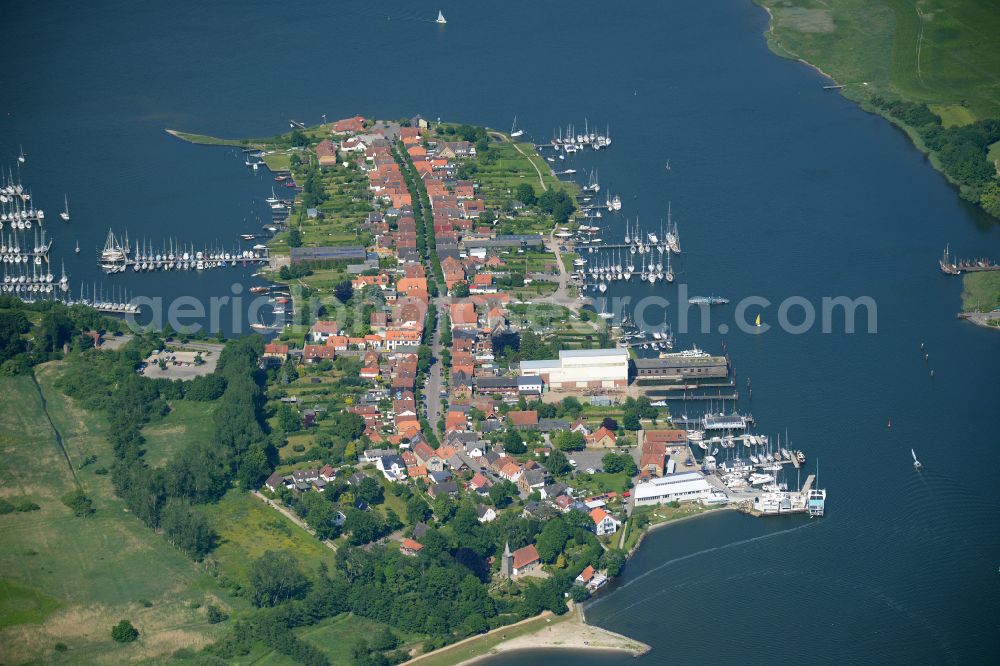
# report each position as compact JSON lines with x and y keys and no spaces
{"x":581,"y":369}
{"x":676,"y":367}
{"x":683,"y":487}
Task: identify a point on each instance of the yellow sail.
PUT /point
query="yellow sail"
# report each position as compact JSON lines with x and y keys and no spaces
{"x":758,"y":321}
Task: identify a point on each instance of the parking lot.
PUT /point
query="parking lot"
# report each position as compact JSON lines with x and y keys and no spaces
{"x":180,"y":364}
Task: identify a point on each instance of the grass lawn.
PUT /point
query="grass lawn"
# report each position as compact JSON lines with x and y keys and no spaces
{"x":68,"y":579}
{"x":953,"y":115}
{"x":981,"y":291}
{"x":936,"y":51}
{"x":187,"y":422}
{"x":247,"y":527}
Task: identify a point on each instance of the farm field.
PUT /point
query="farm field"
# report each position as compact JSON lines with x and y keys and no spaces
{"x":67,"y":580}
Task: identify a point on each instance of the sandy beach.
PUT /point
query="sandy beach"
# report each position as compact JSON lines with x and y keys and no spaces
{"x":546,"y":631}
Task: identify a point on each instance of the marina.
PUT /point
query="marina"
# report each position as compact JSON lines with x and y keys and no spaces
{"x":954,"y":266}
{"x":117,"y":256}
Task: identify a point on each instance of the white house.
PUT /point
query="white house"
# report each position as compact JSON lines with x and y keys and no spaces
{"x":392,"y":467}
{"x":604,"y":522}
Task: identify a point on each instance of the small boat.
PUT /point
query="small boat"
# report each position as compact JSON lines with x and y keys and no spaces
{"x":65,"y":214}
{"x":514,"y":131}
{"x":440,"y":19}
{"x":247,"y":237}
{"x":78,"y":247}
{"x":258,"y":290}
{"x":757,"y":323}
{"x":21,"y":157}
{"x":916,"y":463}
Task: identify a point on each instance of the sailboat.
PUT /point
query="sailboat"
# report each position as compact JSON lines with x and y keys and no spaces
{"x":514,"y":131}
{"x":78,"y":247}
{"x":440,"y":19}
{"x":916,"y":463}
{"x":757,"y":323}
{"x":21,"y":158}
{"x":65,"y":214}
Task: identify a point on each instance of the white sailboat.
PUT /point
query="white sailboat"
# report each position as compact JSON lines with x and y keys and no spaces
{"x":514,"y":131}
{"x":916,"y":463}
{"x":440,"y":19}
{"x":65,"y":214}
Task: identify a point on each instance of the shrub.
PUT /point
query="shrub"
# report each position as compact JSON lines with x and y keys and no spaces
{"x":124,"y":632}
{"x":81,"y":505}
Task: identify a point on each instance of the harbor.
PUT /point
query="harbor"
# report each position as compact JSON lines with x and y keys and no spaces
{"x":118,"y":257}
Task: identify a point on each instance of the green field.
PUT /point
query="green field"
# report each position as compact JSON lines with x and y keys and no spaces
{"x":942,"y":52}
{"x":247,"y":527}
{"x":981,"y":291}
{"x":187,"y":421}
{"x":66,"y":579}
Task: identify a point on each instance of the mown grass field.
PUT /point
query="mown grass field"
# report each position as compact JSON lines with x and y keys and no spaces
{"x":187,"y":422}
{"x":66,"y":579}
{"x":942,"y":52}
{"x":981,"y":291}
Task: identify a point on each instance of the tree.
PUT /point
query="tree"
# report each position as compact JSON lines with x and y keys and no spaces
{"x":417,"y":510}
{"x":571,"y":405}
{"x":370,"y":491}
{"x":502,"y":492}
{"x":610,"y":424}
{"x":570,"y":441}
{"x":613,"y":561}
{"x":512,"y":442}
{"x":343,"y":291}
{"x":81,"y":505}
{"x":288,"y":420}
{"x":631,"y":421}
{"x":619,"y":462}
{"x":558,"y":464}
{"x":124,"y":632}
{"x":552,"y":539}
{"x":525,"y":193}
{"x":460,"y":289}
{"x":275,"y":577}
{"x":363,"y":526}
{"x":294,"y":237}
{"x":187,"y":528}
{"x":55,"y":330}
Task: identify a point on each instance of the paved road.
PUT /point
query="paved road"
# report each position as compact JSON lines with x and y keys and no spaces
{"x":435,"y":380}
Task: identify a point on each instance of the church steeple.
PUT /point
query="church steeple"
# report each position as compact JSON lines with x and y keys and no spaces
{"x":507,"y":562}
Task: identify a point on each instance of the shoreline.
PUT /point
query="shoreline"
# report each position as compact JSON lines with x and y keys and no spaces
{"x":667,"y":523}
{"x":567,"y":632}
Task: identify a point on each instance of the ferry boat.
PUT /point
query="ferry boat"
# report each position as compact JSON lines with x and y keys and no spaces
{"x":708,"y":300}
{"x":694,"y":352}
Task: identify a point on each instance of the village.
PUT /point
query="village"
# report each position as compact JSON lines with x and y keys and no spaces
{"x":456,"y":395}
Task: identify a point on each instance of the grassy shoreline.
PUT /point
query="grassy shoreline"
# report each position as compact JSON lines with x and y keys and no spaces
{"x":896,"y":58}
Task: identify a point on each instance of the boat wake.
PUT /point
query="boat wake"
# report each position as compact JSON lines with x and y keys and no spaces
{"x":734,"y":544}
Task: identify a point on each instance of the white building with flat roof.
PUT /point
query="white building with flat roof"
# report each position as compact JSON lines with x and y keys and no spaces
{"x":683,"y":487}
{"x":581,"y":369}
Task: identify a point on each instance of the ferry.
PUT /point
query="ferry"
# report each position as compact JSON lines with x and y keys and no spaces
{"x":694,"y":352}
{"x":708,"y":300}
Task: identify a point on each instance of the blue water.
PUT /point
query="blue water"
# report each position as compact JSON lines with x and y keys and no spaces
{"x":779,"y":188}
